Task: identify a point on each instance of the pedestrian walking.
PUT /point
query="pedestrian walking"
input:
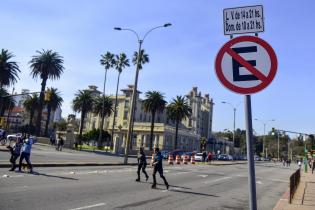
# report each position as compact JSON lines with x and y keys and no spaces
{"x":15,"y":152}
{"x":26,"y":153}
{"x":209,"y":157}
{"x":158,"y":167}
{"x":204,"y":155}
{"x":60,"y":143}
{"x":313,"y":165}
{"x":142,"y":164}
{"x":300,"y":164}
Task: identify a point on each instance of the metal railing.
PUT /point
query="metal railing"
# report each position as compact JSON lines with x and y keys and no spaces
{"x":294,"y":182}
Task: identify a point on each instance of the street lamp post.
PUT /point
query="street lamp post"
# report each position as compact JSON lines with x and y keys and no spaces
{"x":234,"y":113}
{"x":264,"y":122}
{"x":134,"y":92}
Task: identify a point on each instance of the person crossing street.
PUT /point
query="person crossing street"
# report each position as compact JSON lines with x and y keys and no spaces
{"x":26,"y":153}
{"x":158,"y":167}
{"x":142,"y":164}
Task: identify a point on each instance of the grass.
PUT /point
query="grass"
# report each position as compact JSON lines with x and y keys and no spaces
{"x":92,"y":148}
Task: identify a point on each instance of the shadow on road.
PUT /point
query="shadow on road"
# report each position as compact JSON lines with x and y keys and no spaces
{"x":53,"y":176}
{"x":193,"y":193}
{"x":188,"y":188}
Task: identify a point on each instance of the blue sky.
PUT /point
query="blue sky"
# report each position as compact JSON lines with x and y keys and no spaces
{"x":181,"y":56}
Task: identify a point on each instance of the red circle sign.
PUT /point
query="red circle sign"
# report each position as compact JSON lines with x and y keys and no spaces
{"x":246,"y":64}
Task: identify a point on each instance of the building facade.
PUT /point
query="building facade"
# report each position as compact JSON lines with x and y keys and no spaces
{"x":189,"y":133}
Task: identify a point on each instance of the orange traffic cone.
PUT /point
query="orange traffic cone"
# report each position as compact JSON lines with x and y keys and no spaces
{"x":170,"y":160}
{"x":177,"y":159}
{"x":192,"y":159}
{"x":185,"y":160}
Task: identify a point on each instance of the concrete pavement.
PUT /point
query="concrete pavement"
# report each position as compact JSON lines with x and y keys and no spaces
{"x":304,"y":197}
{"x":192,"y":187}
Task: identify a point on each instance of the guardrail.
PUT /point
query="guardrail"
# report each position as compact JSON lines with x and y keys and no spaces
{"x":294,"y":182}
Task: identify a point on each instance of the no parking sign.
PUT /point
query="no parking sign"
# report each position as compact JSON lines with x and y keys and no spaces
{"x":246,"y":64}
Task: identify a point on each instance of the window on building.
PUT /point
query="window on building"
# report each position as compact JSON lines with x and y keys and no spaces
{"x":134,"y":140}
{"x":126,"y":115}
{"x":190,"y":123}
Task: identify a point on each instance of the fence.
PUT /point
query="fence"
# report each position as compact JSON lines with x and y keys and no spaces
{"x":294,"y":182}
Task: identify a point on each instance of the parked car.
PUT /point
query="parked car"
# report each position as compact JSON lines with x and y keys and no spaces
{"x":165,"y":154}
{"x":198,"y":157}
{"x":13,"y":137}
{"x":257,"y":158}
{"x":177,"y":152}
{"x":189,"y":154}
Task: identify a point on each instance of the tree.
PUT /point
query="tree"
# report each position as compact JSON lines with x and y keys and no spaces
{"x":46,"y":65}
{"x":121,"y":62}
{"x":83,"y":102}
{"x":144,"y":58}
{"x":108,"y":61}
{"x":8,"y":69}
{"x":103,"y":106}
{"x":178,"y":110}
{"x":6,"y":101}
{"x":31,"y":104}
{"x":153,"y":103}
{"x":54,"y":102}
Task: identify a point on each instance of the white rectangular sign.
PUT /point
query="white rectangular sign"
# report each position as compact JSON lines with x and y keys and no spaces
{"x":241,"y":20}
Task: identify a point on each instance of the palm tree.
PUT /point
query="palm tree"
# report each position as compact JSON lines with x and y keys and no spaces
{"x":52,"y":104}
{"x":144,"y":58}
{"x":83,"y":102}
{"x":178,"y":110}
{"x":6,"y":100}
{"x":46,"y":65}
{"x":153,"y":103}
{"x":108,"y":61}
{"x":8,"y":69}
{"x":31,"y":104}
{"x":103,"y":106}
{"x":121,"y":62}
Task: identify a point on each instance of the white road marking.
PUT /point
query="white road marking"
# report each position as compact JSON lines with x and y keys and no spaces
{"x":5,"y":176}
{"x":216,"y":180}
{"x":89,"y":207}
{"x":259,"y":182}
{"x":203,"y":176}
{"x":183,"y":172}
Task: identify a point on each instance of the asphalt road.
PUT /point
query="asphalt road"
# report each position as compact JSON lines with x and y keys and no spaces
{"x":192,"y":187}
{"x":48,"y":154}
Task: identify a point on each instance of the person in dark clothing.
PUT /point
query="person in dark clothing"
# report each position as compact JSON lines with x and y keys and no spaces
{"x":204,"y":155}
{"x":142,"y":164}
{"x":313,"y":165}
{"x":158,"y":167}
{"x":15,"y":153}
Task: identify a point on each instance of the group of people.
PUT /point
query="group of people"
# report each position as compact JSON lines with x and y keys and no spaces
{"x":60,"y":142}
{"x":22,"y":148}
{"x":157,"y":166}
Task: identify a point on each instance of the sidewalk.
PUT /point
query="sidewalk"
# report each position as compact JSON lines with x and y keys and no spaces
{"x":304,"y":197}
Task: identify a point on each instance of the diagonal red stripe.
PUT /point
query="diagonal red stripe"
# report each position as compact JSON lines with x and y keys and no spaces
{"x":247,"y":65}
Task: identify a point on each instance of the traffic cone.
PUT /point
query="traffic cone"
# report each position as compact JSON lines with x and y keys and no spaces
{"x":170,"y":160}
{"x":177,"y":159}
{"x":192,"y":159}
{"x":185,"y":160}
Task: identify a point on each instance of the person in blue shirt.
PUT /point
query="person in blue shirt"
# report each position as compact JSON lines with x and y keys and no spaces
{"x":158,"y":167}
{"x":26,"y":153}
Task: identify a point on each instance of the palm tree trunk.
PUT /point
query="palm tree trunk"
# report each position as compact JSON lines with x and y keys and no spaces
{"x":152,"y":129}
{"x":40,"y":107}
{"x":99,"y":142}
{"x":113,"y":128}
{"x":31,"y":118}
{"x":176,"y":133}
{"x":48,"y":119}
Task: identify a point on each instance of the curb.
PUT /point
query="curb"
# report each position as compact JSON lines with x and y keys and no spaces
{"x":283,"y":201}
{"x":72,"y":164}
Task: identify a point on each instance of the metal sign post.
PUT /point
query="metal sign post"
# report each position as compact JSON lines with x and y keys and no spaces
{"x":250,"y":153}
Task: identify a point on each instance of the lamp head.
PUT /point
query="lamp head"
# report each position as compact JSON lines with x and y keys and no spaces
{"x":167,"y":24}
{"x":117,"y":28}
